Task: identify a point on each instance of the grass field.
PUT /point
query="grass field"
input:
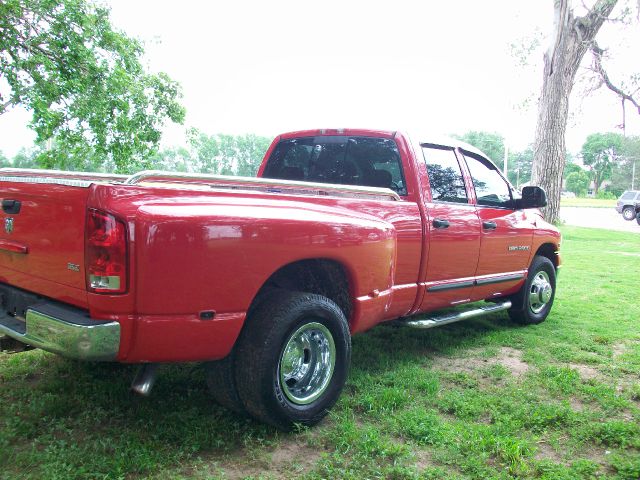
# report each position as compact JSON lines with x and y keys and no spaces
{"x":587,"y":202}
{"x":481,"y":399}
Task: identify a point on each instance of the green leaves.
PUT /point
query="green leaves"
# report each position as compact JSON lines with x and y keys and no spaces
{"x":601,"y":152}
{"x":578,"y":182}
{"x":84,"y":84}
{"x":227,"y":154}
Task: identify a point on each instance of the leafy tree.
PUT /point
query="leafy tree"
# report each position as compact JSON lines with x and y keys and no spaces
{"x":84,"y":84}
{"x":25,"y":158}
{"x":251,"y":150}
{"x":492,"y":144}
{"x":519,"y":168}
{"x":4,"y":161}
{"x":570,"y":167}
{"x":571,"y":38}
{"x":177,"y":159}
{"x":626,"y":172}
{"x":578,"y":182}
{"x":227,"y":154}
{"x":600,"y":152}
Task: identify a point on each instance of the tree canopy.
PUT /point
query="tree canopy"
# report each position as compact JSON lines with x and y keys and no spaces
{"x":578,"y":182}
{"x":492,"y":144}
{"x":227,"y":154}
{"x":91,"y":99}
{"x":600,"y":153}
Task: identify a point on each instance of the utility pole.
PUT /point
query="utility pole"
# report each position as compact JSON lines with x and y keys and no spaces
{"x":633,"y":175}
{"x":506,"y":159}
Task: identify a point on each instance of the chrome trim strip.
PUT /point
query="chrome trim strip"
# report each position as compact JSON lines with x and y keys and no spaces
{"x":84,"y":342}
{"x":450,"y":286}
{"x":265,"y":184}
{"x":500,"y":279}
{"x":47,"y":180}
{"x":486,"y":280}
{"x":37,"y":172}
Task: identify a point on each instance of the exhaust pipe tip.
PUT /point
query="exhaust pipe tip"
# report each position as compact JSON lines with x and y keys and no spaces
{"x":145,"y":379}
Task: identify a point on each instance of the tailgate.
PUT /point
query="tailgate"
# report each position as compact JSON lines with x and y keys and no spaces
{"x":42,"y":235}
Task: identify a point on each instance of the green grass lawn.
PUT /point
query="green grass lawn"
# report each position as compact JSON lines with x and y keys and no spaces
{"x":478,"y":399}
{"x":587,"y":202}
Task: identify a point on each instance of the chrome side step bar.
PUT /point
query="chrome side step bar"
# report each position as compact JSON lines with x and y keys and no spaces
{"x":457,"y":316}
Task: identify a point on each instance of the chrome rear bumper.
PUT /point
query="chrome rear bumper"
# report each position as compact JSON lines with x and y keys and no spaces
{"x":64,"y":330}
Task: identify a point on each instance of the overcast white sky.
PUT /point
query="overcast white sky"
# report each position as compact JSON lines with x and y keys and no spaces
{"x":434,"y":67}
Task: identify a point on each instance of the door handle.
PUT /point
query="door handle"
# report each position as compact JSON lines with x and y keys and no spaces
{"x":489,"y":225}
{"x":440,"y":223}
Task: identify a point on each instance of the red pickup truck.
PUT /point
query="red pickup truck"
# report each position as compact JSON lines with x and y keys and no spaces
{"x":267,"y":278}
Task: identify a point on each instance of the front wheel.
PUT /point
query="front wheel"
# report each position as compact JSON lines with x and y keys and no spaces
{"x":292,"y":359}
{"x":628,"y":213}
{"x":533,"y":302}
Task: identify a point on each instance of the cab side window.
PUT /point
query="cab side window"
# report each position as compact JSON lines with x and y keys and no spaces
{"x":445,"y":176}
{"x":491,"y":189}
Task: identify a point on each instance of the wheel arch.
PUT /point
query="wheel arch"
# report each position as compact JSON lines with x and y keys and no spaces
{"x":321,"y":276}
{"x":550,"y":251}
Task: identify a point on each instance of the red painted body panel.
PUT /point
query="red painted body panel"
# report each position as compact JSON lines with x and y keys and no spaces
{"x":453,"y":254}
{"x":200,"y":248}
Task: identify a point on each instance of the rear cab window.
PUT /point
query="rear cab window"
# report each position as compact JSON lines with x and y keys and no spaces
{"x":344,"y":160}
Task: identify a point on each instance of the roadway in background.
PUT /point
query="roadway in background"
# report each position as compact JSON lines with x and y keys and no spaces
{"x":606,"y":218}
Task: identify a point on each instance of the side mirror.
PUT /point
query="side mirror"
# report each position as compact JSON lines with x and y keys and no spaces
{"x":532,"y":197}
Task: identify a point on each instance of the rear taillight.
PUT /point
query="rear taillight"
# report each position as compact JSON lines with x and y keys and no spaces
{"x":105,"y":253}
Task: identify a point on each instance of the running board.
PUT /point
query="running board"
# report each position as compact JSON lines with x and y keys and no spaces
{"x":457,"y":316}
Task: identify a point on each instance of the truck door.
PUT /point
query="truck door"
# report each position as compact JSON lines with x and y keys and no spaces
{"x":507,"y":234}
{"x":453,"y":231}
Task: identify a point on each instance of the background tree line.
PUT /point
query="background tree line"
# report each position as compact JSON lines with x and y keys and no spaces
{"x":604,"y":165}
{"x":202,"y":153}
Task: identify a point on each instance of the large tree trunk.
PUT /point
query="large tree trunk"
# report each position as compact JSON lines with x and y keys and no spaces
{"x":572,"y":37}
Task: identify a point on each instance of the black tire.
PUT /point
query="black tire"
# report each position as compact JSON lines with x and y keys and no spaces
{"x":222,"y":383}
{"x":628,"y":213}
{"x":221,"y":378}
{"x":638,"y":218}
{"x":528,"y":305}
{"x":260,"y":361}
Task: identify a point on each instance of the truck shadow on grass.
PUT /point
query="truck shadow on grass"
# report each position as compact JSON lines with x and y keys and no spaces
{"x":61,"y":418}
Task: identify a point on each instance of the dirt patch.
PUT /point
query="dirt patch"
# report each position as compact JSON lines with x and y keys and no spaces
{"x":292,"y":458}
{"x":586,"y":372}
{"x":577,"y":405}
{"x":466,"y":364}
{"x":293,"y":454}
{"x":619,"y":349}
{"x":547,"y":452}
{"x":423,"y":459}
{"x":509,"y":358}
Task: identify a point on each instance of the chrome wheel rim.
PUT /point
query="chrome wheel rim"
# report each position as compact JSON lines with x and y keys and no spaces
{"x":628,"y":214}
{"x":306,"y":363}
{"x":540,"y":292}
